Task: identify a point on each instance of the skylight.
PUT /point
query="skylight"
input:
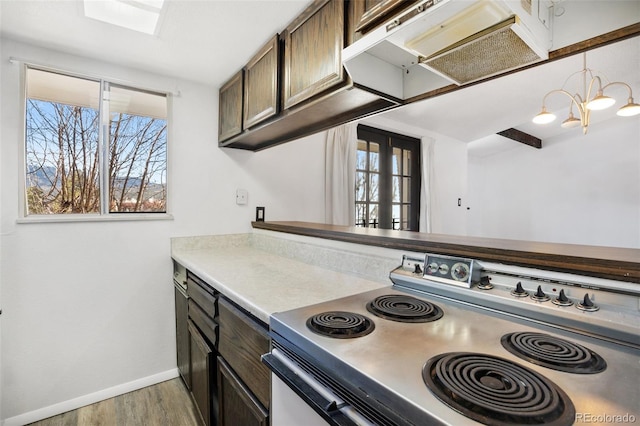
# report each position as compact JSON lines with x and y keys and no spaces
{"x":138,"y":15}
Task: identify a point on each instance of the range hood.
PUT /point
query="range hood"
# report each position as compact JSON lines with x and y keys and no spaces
{"x":440,"y":42}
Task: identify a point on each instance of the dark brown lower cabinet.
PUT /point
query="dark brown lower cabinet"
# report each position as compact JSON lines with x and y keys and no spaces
{"x":203,"y":375}
{"x":238,"y":406}
{"x":243,"y":340}
{"x":229,"y":384}
{"x":182,"y":335}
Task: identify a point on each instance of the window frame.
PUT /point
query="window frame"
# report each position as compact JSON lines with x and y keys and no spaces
{"x":104,"y":215}
{"x":386,"y":141}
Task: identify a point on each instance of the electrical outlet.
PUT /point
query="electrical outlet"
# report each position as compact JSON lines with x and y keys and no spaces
{"x":241,"y":196}
{"x":259,"y":214}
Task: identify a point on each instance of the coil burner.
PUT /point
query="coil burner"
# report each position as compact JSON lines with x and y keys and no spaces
{"x":340,"y":325}
{"x":403,"y":308}
{"x":552,"y":352}
{"x":496,"y":391}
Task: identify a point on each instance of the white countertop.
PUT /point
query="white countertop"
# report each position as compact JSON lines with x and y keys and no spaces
{"x":264,"y":283}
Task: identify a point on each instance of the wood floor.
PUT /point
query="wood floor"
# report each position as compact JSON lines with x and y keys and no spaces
{"x":167,"y":403}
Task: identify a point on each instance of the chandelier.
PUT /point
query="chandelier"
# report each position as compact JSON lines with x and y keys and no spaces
{"x":584,"y":104}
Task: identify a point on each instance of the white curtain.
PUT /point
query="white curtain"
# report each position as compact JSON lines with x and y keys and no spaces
{"x":427,"y":196}
{"x":340,"y":175}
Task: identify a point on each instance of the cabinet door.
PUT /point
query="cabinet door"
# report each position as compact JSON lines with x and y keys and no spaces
{"x":237,"y":404}
{"x":182,"y":337}
{"x":202,"y":375}
{"x":375,"y":12}
{"x":261,"y":85}
{"x":313,"y":51}
{"x":230,"y":108}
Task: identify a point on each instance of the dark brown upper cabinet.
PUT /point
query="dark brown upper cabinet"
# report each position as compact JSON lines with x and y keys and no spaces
{"x":375,"y":12}
{"x":313,"y":92}
{"x":230,"y":107}
{"x":313,"y":46}
{"x":261,"y":85}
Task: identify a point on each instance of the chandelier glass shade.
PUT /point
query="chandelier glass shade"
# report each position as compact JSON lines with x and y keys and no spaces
{"x":585,"y":103}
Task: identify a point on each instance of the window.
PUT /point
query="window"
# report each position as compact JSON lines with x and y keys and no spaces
{"x":72,"y":167}
{"x":387,"y":180}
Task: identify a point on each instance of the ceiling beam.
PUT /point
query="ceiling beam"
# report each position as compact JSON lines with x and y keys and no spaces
{"x":521,"y":137}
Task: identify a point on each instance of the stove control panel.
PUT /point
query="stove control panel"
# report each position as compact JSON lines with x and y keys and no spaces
{"x":445,"y":269}
{"x":597,"y":306}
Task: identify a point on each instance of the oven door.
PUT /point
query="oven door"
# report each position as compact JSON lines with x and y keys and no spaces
{"x":298,"y":398}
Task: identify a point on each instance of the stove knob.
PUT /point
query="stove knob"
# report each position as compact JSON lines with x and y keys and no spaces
{"x":587,"y":304}
{"x":539,"y":296}
{"x":562,"y":300}
{"x":519,"y":291}
{"x":418,"y":269}
{"x":485,"y":283}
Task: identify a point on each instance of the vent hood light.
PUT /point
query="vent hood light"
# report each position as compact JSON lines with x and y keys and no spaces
{"x":142,"y":15}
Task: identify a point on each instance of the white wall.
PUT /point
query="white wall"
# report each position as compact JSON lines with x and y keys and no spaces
{"x":581,"y":189}
{"x":450,"y":183}
{"x":87,"y":308}
{"x":1,"y":304}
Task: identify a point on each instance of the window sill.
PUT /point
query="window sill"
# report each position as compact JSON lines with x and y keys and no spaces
{"x":75,"y":218}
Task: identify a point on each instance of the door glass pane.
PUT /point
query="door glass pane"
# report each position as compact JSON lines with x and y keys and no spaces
{"x":361,"y":186}
{"x":406,"y":163}
{"x":374,"y":187}
{"x":395,"y":194}
{"x":374,"y":157}
{"x":373,"y":215}
{"x":395,"y":211}
{"x":405,"y":216}
{"x":361,"y":215}
{"x":406,"y":190}
{"x":138,"y":151}
{"x":62,"y":127}
{"x":396,"y":161}
{"x":361,"y":156}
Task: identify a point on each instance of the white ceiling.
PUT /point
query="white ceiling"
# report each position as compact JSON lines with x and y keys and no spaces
{"x":200,"y":40}
{"x":208,"y":40}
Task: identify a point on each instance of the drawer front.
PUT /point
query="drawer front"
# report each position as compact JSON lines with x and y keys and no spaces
{"x":242,"y":342}
{"x":203,"y":295}
{"x":208,"y":327}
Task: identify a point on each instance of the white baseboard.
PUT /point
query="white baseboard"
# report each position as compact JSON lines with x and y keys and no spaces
{"x":75,"y":403}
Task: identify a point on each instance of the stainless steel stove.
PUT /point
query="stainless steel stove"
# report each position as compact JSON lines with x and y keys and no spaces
{"x":456,"y":342}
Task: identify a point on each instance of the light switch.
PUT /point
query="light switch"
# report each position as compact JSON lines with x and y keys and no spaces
{"x":241,"y":196}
